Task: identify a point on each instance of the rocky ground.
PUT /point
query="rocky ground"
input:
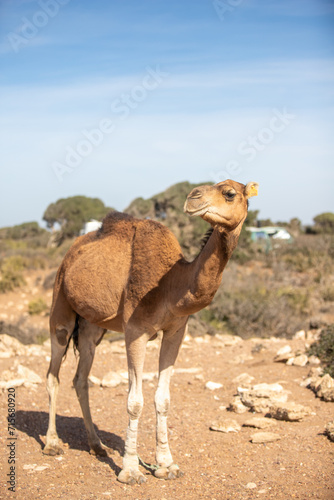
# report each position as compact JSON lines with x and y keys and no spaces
{"x":219,"y":386}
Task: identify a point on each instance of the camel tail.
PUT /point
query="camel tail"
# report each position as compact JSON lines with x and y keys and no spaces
{"x":74,"y":336}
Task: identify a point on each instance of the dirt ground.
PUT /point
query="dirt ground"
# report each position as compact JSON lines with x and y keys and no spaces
{"x":215,"y":465}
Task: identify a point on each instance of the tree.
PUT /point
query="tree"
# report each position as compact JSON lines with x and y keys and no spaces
{"x":295,"y":226}
{"x":71,"y":213}
{"x":22,"y":231}
{"x":251,"y":219}
{"x":324,"y":223}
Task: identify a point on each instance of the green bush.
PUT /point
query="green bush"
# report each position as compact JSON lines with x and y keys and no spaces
{"x":328,"y":293}
{"x":11,"y":273}
{"x":297,"y":298}
{"x":22,"y":231}
{"x":71,"y":214}
{"x":37,"y":306}
{"x":324,"y":223}
{"x":254,"y":303}
{"x":324,"y":349}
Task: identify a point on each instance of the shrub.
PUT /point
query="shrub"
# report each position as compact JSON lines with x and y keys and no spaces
{"x":328,"y":293}
{"x":324,"y":349}
{"x":324,"y":223}
{"x":11,"y":273}
{"x":71,"y":213}
{"x":22,"y":231}
{"x":37,"y":306}
{"x":297,"y":298}
{"x":252,"y":303}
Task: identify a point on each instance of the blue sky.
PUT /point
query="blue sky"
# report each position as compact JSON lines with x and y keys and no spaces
{"x":118,"y":99}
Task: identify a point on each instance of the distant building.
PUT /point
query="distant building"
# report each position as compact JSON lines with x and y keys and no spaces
{"x":269,"y":233}
{"x":92,"y":225}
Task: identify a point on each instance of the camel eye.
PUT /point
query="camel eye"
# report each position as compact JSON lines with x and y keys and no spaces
{"x":229,"y":195}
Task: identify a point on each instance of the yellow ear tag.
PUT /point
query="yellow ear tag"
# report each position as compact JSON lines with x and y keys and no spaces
{"x":253,"y":191}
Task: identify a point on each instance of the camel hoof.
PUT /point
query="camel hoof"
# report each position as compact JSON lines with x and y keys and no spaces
{"x":98,"y":450}
{"x":52,"y":450}
{"x":131,"y":476}
{"x":171,"y":472}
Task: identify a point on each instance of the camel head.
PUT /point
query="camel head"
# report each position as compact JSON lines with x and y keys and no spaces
{"x":224,"y":204}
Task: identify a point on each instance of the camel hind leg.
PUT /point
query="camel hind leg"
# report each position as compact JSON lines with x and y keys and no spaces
{"x":60,"y":337}
{"x":89,"y":337}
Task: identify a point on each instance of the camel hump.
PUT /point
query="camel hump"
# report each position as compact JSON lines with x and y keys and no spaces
{"x":113,"y":221}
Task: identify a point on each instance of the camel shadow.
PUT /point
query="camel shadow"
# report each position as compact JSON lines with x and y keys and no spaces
{"x":71,"y":431}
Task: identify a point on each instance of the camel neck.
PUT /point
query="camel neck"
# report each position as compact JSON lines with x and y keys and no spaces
{"x":198,"y":282}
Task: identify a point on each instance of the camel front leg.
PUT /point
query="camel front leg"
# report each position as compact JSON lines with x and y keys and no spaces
{"x":170,"y":347}
{"x":130,"y":474}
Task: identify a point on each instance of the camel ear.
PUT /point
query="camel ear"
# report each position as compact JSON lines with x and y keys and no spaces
{"x":251,"y":189}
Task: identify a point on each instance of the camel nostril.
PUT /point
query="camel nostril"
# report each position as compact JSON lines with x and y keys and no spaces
{"x":196,"y":193}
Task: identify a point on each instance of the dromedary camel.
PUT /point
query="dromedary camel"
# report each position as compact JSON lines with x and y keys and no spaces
{"x":130,"y":276}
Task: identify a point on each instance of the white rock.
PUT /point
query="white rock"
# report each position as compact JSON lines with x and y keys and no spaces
{"x":268,"y":387}
{"x":314,"y":360}
{"x":200,"y":340}
{"x":112,"y":379}
{"x":306,"y":382}
{"x":34,"y":350}
{"x":300,"y":360}
{"x":188,"y":370}
{"x":251,"y":486}
{"x":11,"y":344}
{"x":149,"y":376}
{"x":283,"y":354}
{"x":12,"y":383}
{"x":212,"y":386}
{"x":260,"y":397}
{"x":228,"y":340}
{"x":301,"y":335}
{"x":227,"y":425}
{"x":259,"y":422}
{"x":326,"y":384}
{"x":7,"y":354}
{"x":284,"y":350}
{"x":329,"y":430}
{"x":243,"y":378}
{"x":29,"y":375}
{"x":125,"y":375}
{"x":291,"y":412}
{"x":94,"y":380}
{"x":39,"y":468}
{"x":315,"y":372}
{"x":264,"y":437}
{"x":237,"y":406}
{"x":241,"y":358}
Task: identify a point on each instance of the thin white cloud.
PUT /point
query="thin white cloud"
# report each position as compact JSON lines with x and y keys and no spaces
{"x":276,"y":73}
{"x":292,"y":8}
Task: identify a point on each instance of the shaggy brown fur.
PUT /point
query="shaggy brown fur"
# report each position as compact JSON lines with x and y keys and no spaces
{"x":130,"y":276}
